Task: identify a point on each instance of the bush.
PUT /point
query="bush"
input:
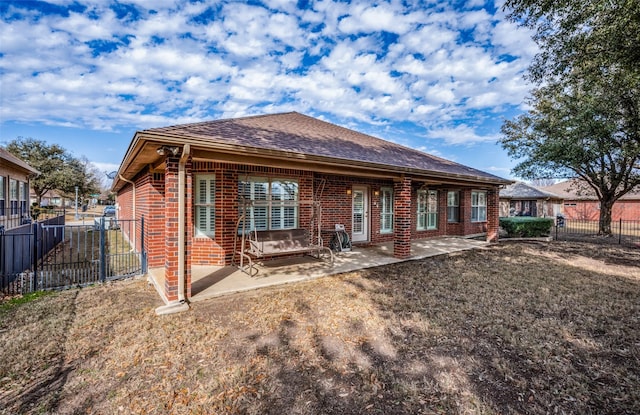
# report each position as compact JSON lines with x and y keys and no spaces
{"x":527,"y":227}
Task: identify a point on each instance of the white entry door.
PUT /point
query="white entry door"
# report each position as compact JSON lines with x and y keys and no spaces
{"x":360,"y":216}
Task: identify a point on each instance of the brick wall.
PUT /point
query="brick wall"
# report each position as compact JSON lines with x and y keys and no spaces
{"x":590,"y":210}
{"x":219,"y":249}
{"x":403,"y":218}
{"x":124,"y":201}
{"x":158,"y":199}
{"x":493,"y":213}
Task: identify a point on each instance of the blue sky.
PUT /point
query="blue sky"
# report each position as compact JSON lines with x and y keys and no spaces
{"x":437,"y":76}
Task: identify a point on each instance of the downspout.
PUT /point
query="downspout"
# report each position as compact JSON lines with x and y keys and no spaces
{"x":182,"y":214}
{"x":133,"y":185}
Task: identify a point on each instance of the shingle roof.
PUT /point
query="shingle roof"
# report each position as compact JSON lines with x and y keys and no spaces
{"x":520,"y":190}
{"x":4,"y":154}
{"x":297,"y":133}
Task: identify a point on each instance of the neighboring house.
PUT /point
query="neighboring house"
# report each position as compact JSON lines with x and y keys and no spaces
{"x":50,"y":198}
{"x":521,"y":199}
{"x":14,"y":190}
{"x":191,"y":183}
{"x":580,"y":202}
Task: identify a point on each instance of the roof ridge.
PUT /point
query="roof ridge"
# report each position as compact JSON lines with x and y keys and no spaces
{"x":379,"y":139}
{"x":221,"y":120}
{"x":301,"y":133}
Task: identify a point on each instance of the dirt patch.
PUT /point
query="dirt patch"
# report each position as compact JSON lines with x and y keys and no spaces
{"x":531,"y":328}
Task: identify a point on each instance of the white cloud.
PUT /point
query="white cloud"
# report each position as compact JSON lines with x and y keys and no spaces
{"x":330,"y":59}
{"x":368,"y":19}
{"x":461,"y":134}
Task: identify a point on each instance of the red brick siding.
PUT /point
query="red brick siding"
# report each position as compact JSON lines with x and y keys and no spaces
{"x":155,"y":220}
{"x":171,"y":228}
{"x":590,"y":210}
{"x":403,"y":219}
{"x":219,"y":249}
{"x":493,"y":214}
{"x":124,"y":201}
{"x":158,"y":199}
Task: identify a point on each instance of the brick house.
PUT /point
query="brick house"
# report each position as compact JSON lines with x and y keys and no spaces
{"x":188,"y":180}
{"x":521,"y":199}
{"x":15,"y":177}
{"x":581,"y":203}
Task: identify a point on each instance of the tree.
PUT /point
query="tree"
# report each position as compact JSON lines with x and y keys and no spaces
{"x":543,"y":182}
{"x":84,"y":175}
{"x":584,"y":120}
{"x":59,"y":170}
{"x":573,"y":31}
{"x":50,"y":160}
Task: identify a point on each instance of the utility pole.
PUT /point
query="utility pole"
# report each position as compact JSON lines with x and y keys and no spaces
{"x":76,"y":202}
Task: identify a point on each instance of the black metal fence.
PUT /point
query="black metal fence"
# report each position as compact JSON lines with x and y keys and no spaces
{"x":624,"y":232}
{"x":13,"y":217}
{"x":51,"y":255}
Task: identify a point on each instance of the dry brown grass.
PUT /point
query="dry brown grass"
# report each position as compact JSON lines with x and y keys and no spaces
{"x":518,"y":328}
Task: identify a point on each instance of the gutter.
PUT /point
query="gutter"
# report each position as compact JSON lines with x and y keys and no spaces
{"x":181,"y":304}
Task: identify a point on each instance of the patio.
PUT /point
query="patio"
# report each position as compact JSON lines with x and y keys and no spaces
{"x":212,"y":281}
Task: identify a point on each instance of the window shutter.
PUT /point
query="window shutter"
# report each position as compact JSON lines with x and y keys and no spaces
{"x":205,"y":205}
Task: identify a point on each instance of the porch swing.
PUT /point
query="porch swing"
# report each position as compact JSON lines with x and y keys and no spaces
{"x":251,"y":244}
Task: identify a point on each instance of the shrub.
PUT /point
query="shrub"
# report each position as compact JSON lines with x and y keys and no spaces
{"x":526,"y":227}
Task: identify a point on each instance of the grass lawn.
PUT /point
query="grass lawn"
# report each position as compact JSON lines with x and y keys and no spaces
{"x":531,"y":328}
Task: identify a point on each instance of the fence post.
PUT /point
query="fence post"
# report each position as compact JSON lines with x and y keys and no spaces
{"x":103,"y":251}
{"x":620,"y":232}
{"x":3,"y":267}
{"x":34,"y":231}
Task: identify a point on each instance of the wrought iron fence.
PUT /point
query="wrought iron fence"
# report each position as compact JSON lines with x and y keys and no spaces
{"x":57,"y":256}
{"x":625,"y":232}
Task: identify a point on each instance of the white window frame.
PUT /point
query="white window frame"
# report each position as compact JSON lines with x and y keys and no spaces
{"x":23,"y":189}
{"x":386,"y":210}
{"x":205,"y":205}
{"x":13,"y":197}
{"x":478,"y":206}
{"x":427,"y":219}
{"x":453,"y":205}
{"x":275,"y":207}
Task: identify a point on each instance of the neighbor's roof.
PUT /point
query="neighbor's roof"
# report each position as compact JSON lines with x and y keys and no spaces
{"x":295,"y":136}
{"x":579,"y":190}
{"x":520,"y":190}
{"x":21,"y":165}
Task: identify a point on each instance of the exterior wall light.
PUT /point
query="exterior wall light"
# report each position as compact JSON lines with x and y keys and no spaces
{"x":349,"y":191}
{"x":166,"y":150}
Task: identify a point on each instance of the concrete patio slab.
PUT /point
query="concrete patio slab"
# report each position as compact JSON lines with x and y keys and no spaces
{"x":211,"y":281}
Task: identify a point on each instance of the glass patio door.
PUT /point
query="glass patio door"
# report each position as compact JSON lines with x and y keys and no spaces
{"x":360,"y":216}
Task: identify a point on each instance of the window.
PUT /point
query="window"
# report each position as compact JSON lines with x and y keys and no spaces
{"x":274,"y":203}
{"x":205,"y":205}
{"x":386,"y":210}
{"x":24,"y":194}
{"x":523,"y":208}
{"x":3,"y":196}
{"x":13,"y":196}
{"x":453,"y":207}
{"x":478,"y":206}
{"x":427,"y":210}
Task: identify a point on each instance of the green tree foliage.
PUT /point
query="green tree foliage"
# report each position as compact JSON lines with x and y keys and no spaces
{"x":584,"y":117}
{"x":59,"y":170}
